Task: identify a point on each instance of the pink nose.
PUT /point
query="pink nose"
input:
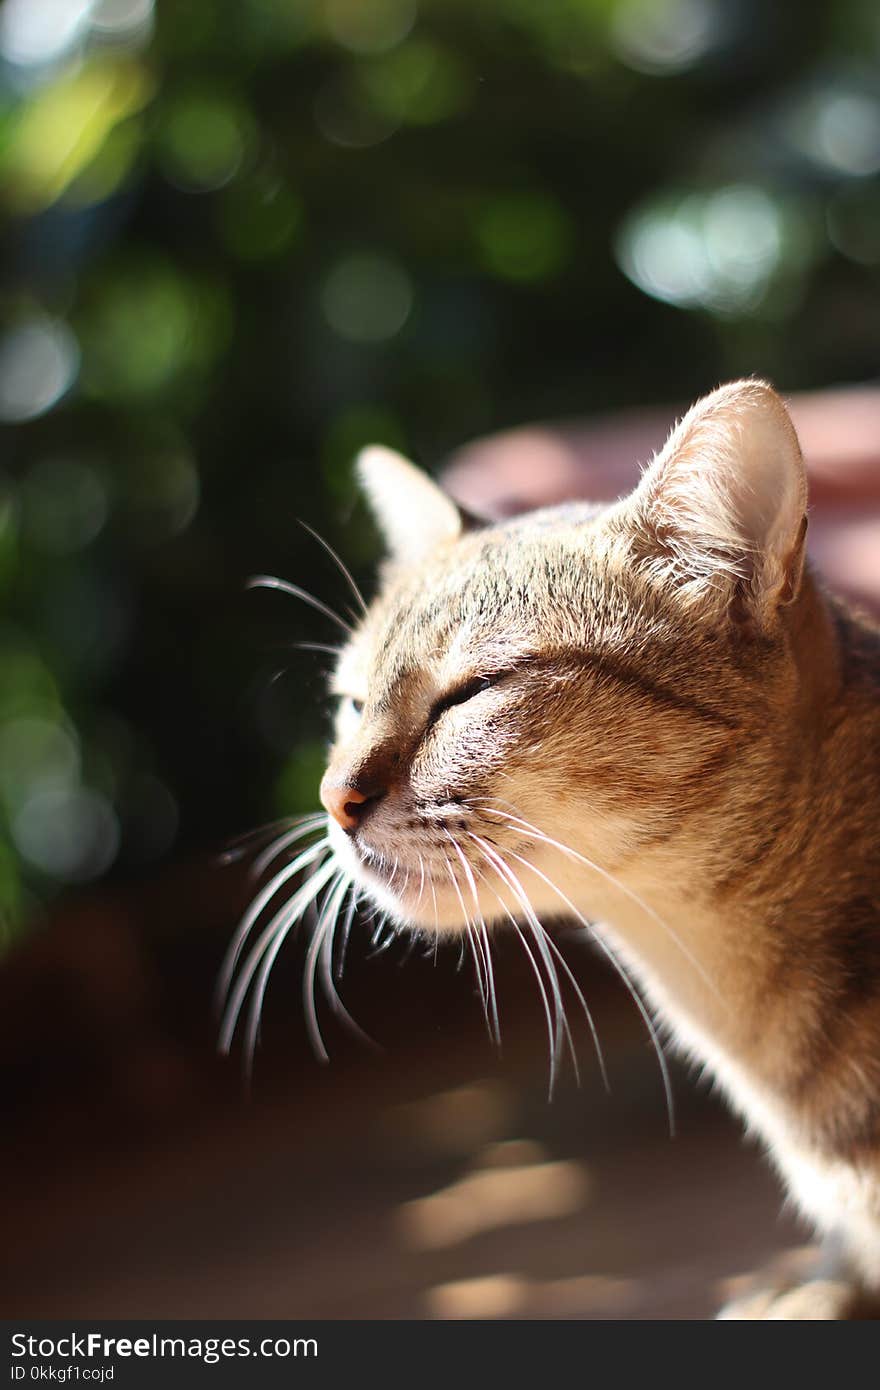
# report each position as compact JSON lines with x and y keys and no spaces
{"x":345,"y":804}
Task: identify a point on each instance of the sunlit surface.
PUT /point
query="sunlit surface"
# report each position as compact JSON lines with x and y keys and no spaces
{"x":453,"y":1122}
{"x":517,"y":1296}
{"x":494,"y":1197}
{"x":493,"y":1296}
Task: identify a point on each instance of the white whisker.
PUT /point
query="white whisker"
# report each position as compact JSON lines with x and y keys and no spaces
{"x":507,"y":875}
{"x":324,"y":647}
{"x":346,"y":932}
{"x":482,"y":940}
{"x":329,"y":908}
{"x":634,"y":993}
{"x":326,"y":963}
{"x":261,"y":901}
{"x":271,"y":939}
{"x":527,"y":828}
{"x":552,"y":1036}
{"x":306,"y":825}
{"x":478,"y":969}
{"x":343,"y":568}
{"x":269,"y":581}
{"x":240,"y":845}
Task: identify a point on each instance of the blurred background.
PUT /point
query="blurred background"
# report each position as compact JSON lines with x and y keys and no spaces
{"x":240,"y":239}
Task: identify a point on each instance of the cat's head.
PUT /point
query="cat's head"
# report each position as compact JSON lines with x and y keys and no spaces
{"x":591,"y":677}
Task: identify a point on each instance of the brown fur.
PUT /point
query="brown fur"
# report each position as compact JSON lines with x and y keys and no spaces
{"x":675,"y":698}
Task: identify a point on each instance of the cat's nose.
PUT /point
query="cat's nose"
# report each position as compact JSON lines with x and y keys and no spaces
{"x":346,"y":804}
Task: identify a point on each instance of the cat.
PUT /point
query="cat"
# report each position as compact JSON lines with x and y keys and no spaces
{"x":652,"y":718}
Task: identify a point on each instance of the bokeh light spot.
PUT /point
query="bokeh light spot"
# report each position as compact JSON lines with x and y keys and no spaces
{"x":111,"y":167}
{"x":371,"y":27}
{"x":64,"y":504}
{"x":720,"y":251}
{"x":162,"y":493}
{"x":36,"y":755}
{"x":260,"y":217}
{"x":665,"y":36}
{"x":346,"y":116}
{"x":276,"y":24}
{"x":123,"y":20}
{"x":367,"y":298}
{"x":39,"y":361}
{"x":145,"y":325}
{"x":53,"y":137}
{"x":70,"y":834}
{"x":853,"y":222}
{"x":523,"y":236}
{"x":421,"y":82}
{"x":27,"y":686}
{"x":847,"y":131}
{"x":35,"y":33}
{"x":202,"y":141}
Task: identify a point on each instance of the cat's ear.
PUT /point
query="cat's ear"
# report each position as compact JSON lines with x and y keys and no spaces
{"x":412,"y":512}
{"x":723,"y":506}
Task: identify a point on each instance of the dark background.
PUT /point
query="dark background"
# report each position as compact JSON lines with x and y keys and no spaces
{"x":240,"y":240}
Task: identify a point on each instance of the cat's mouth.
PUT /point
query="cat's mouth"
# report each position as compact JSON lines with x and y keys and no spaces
{"x":444,"y":889}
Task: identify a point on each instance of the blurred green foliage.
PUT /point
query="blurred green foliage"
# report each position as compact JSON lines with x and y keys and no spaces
{"x":244,"y":237}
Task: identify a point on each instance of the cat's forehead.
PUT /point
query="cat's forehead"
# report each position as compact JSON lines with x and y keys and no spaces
{"x":495,"y":595}
{"x":498,"y":579}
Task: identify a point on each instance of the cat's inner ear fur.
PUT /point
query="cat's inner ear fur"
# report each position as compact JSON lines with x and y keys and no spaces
{"x":412,"y":512}
{"x":721,"y":512}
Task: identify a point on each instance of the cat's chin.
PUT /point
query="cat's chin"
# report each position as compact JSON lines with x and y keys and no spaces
{"x":415,"y":906}
{"x":410,"y":897}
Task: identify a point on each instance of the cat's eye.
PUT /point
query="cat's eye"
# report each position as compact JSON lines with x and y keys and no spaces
{"x":459,"y":696}
{"x":352,"y":706}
